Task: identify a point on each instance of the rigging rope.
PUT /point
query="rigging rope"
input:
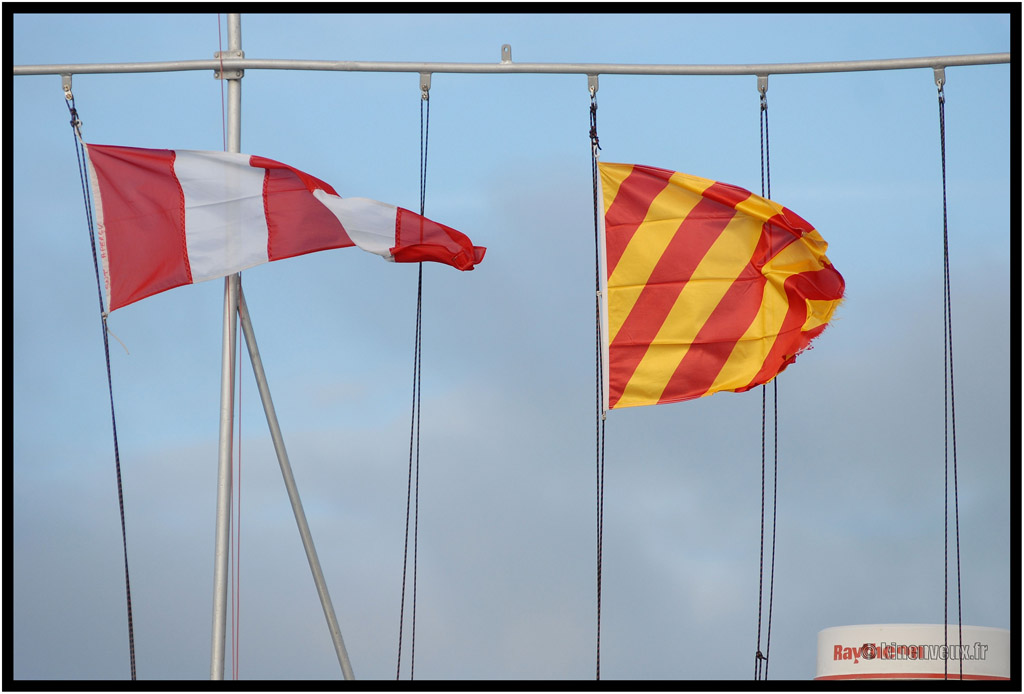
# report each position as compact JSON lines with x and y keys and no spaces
{"x":775,"y":489}
{"x":414,"y":433}
{"x":759,"y":657}
{"x":949,"y":407}
{"x":83,"y":176}
{"x":600,"y":419}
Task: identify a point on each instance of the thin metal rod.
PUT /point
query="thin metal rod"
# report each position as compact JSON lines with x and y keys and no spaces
{"x":520,"y":68}
{"x":293,"y":492}
{"x":234,"y":27}
{"x":227,"y":403}
{"x":223,"y":523}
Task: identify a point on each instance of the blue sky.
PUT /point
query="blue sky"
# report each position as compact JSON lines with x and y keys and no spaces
{"x":506,"y":575}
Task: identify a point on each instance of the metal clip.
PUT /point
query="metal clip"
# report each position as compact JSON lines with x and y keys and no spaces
{"x":506,"y":53}
{"x":228,"y":74}
{"x":425,"y":85}
{"x":65,"y":81}
{"x":940,"y":77}
{"x":762,"y":88}
{"x":592,"y":84}
{"x":762,"y":84}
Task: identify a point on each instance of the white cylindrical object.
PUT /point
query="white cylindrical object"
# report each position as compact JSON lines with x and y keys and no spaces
{"x":227,"y":404}
{"x":913,"y":651}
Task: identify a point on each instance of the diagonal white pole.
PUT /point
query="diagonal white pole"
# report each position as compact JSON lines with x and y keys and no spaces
{"x":221,"y":550}
{"x":293,"y":491}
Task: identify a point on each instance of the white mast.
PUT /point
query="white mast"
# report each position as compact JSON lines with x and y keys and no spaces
{"x":227,"y":387}
{"x":234,"y":306}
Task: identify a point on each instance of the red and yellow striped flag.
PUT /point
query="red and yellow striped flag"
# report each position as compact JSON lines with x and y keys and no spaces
{"x":708,"y":287}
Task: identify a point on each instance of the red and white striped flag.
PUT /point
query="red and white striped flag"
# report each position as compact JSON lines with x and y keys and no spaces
{"x":171,"y":217}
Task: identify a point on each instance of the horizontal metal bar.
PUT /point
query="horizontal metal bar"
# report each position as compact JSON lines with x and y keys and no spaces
{"x":518,"y":68}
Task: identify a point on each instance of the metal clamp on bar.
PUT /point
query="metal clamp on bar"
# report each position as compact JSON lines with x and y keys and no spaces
{"x":506,"y":54}
{"x":940,"y":77}
{"x":65,"y":80}
{"x":592,"y":84}
{"x":222,"y":74}
{"x":425,"y":85}
{"x":762,"y":84}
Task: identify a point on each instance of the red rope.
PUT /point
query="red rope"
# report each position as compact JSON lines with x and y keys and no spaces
{"x":238,"y":534}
